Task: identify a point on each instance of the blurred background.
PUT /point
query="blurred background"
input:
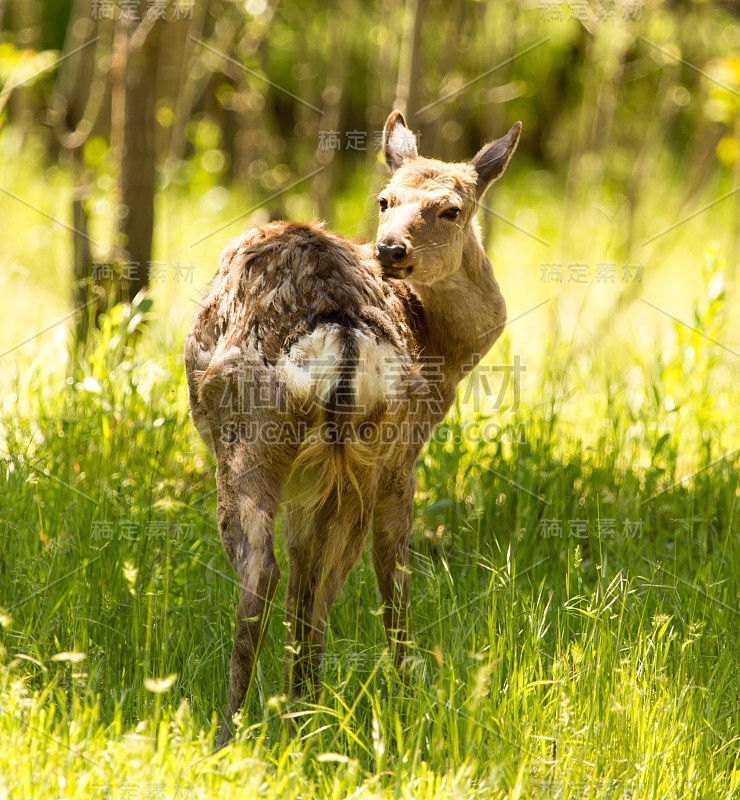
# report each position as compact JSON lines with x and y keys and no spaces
{"x":137,"y":137}
{"x":598,"y":445}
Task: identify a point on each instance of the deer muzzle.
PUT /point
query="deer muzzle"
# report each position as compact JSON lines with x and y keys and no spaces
{"x":393,"y":253}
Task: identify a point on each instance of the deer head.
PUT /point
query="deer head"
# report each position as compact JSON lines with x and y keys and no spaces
{"x":428,"y":207}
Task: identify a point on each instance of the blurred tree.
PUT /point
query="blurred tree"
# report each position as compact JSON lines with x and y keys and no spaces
{"x":410,"y":68}
{"x":80,"y":92}
{"x":137,"y":51}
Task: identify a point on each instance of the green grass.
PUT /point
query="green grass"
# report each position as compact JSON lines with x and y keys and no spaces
{"x":551,"y":661}
{"x":575,"y":570}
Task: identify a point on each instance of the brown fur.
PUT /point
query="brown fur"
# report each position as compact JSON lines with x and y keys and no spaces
{"x":316,"y":374}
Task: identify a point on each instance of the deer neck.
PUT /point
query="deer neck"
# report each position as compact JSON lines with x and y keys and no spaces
{"x":464,"y":312}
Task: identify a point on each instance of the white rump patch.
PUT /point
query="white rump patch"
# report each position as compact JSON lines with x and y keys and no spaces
{"x":312,"y":369}
{"x":379,"y":372}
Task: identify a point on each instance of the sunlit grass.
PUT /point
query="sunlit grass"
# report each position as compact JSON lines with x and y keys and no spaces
{"x":575,"y":569}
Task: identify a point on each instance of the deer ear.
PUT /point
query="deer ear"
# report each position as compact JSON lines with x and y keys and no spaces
{"x":491,"y":161}
{"x":399,"y":143}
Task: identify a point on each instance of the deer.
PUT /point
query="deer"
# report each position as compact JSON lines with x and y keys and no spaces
{"x":317,"y":368}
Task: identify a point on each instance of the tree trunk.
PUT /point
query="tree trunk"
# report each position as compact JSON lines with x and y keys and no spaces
{"x":82,"y":263}
{"x":138,"y":151}
{"x":409,"y":67}
{"x":324,"y":184}
{"x":80,"y":92}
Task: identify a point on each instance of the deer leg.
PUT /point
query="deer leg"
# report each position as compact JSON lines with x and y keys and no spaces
{"x":247,"y":504}
{"x":305,"y":635}
{"x":320,"y":561}
{"x":300,"y":601}
{"x":392,"y":523}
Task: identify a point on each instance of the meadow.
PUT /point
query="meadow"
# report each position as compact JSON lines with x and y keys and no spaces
{"x":576,"y":558}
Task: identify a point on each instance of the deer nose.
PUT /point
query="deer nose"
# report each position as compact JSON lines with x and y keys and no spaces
{"x":390,"y":254}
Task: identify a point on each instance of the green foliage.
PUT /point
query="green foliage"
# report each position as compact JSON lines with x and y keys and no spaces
{"x":575,"y":569}
{"x":575,"y":607}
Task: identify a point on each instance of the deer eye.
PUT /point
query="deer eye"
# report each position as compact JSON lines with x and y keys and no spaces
{"x":450,"y":213}
{"x":383,"y":203}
